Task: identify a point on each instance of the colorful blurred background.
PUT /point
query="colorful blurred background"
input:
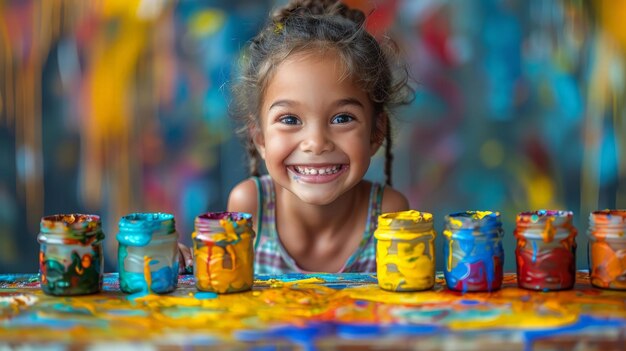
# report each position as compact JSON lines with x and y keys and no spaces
{"x":115,"y":106}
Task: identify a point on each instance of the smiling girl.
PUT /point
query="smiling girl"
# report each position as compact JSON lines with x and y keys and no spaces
{"x":314,"y":102}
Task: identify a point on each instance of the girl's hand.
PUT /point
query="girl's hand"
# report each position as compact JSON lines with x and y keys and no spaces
{"x":185,"y":259}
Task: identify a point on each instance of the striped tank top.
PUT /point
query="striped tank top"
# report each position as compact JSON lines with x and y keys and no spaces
{"x":272,"y":258}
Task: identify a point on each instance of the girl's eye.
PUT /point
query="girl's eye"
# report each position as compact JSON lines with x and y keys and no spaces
{"x":343,"y":118}
{"x":292,"y":120}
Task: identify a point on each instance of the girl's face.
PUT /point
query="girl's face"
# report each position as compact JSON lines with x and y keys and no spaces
{"x":316,"y":128}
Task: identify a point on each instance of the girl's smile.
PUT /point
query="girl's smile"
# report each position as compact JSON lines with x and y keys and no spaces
{"x":317,"y":173}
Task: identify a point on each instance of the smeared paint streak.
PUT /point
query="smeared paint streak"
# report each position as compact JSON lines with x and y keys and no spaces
{"x":405,"y":251}
{"x":70,"y":258}
{"x":146,"y":272}
{"x":223,"y":252}
{"x":306,"y":313}
{"x":607,"y":249}
{"x":474,"y":251}
{"x":147,"y":254}
{"x":546,"y":250}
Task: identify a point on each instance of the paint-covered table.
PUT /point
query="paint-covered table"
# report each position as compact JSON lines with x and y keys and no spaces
{"x":337,"y":311}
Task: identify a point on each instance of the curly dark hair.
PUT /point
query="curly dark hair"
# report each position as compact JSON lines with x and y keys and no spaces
{"x":308,"y":25}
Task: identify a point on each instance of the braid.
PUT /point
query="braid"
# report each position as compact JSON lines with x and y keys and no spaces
{"x":388,"y":154}
{"x":253,"y":158}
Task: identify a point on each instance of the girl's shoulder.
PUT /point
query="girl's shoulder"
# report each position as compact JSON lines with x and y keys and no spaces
{"x":394,"y":201}
{"x":243,"y":197}
{"x":391,"y":200}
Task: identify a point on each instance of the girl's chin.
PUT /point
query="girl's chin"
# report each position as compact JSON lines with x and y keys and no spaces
{"x":315,"y":200}
{"x":318,"y":194}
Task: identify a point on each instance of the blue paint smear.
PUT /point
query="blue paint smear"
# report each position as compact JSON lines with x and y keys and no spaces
{"x":205,"y":295}
{"x":138,"y":295}
{"x":358,"y":331}
{"x":584,"y":321}
{"x":469,"y":302}
{"x":413,"y":330}
{"x":306,"y":336}
{"x":21,"y":277}
{"x":35,"y":320}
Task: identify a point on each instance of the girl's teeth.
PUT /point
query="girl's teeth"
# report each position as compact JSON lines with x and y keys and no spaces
{"x":316,"y":171}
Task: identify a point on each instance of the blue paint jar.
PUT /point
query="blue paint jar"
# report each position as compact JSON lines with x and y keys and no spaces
{"x":473,"y":251}
{"x":148,"y":253}
{"x":70,"y":255}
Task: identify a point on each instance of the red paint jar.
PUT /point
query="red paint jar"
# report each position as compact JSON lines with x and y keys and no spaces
{"x":546,"y":250}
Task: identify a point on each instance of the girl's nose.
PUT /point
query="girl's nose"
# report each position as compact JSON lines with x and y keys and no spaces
{"x":317,"y":141}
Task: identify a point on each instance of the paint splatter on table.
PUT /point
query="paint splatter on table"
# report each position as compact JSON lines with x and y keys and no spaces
{"x":316,"y":311}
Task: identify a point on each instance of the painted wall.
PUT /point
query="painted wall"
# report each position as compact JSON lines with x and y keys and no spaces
{"x":110,"y":107}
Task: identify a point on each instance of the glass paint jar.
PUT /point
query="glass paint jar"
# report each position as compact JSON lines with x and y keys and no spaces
{"x":607,"y":249}
{"x":148,"y":253}
{"x":473,"y":251}
{"x":405,"y":251}
{"x":546,"y":250}
{"x":70,"y":256}
{"x":223,"y":245}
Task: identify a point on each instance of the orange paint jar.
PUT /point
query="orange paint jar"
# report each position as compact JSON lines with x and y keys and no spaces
{"x":607,"y":249}
{"x":223,"y":245}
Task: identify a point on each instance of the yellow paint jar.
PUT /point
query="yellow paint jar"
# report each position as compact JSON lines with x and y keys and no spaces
{"x":405,"y":251}
{"x":223,"y":252}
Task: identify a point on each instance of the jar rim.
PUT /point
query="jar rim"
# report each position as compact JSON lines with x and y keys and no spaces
{"x":409,"y":215}
{"x":227,"y":215}
{"x":534,"y":224}
{"x":609,"y":215}
{"x":211,"y":223}
{"x":536,"y":216}
{"x":410,"y":219}
{"x":484,"y":220}
{"x":138,"y":228}
{"x":77,"y":223}
{"x":535,"y":234}
{"x":137,"y":217}
{"x":405,"y":235}
{"x":475,"y":215}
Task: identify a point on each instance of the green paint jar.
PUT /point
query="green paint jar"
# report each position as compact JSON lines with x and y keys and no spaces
{"x":70,"y":256}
